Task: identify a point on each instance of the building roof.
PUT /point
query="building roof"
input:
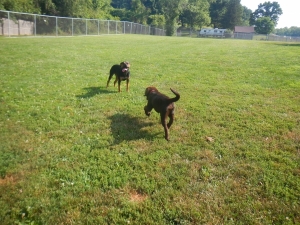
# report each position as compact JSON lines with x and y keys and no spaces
{"x":243,"y":29}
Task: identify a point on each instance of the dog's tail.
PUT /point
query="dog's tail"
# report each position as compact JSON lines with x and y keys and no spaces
{"x":176,"y":98}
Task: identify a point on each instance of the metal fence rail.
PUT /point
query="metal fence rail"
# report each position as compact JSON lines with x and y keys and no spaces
{"x":16,"y":23}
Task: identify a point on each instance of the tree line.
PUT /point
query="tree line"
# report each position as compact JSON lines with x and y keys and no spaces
{"x":168,"y":14}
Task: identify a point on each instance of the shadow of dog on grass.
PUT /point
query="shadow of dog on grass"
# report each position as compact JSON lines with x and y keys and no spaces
{"x":92,"y":91}
{"x":127,"y":128}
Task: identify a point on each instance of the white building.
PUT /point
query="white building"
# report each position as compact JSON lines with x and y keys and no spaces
{"x":210,"y":32}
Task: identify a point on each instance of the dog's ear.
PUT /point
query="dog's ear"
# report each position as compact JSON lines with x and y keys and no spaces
{"x":146,"y":91}
{"x":150,"y":90}
{"x":125,"y":64}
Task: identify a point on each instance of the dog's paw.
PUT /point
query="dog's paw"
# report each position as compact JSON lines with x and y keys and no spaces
{"x":147,"y":113}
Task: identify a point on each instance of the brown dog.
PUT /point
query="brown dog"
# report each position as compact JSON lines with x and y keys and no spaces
{"x":122,"y":73}
{"x":163,"y":105}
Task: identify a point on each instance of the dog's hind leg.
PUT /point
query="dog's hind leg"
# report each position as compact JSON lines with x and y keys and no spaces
{"x":163,"y":118}
{"x":171,"y":117}
{"x":109,"y":78}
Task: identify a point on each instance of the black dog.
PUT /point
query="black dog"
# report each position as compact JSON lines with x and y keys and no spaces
{"x":163,"y":105}
{"x":122,"y":73}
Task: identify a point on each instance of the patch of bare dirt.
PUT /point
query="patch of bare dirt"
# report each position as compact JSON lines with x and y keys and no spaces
{"x":137,"y":197}
{"x":8,"y":180}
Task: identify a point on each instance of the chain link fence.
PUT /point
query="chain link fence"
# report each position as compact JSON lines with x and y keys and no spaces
{"x":188,"y":32}
{"x":16,"y":24}
{"x":26,"y":24}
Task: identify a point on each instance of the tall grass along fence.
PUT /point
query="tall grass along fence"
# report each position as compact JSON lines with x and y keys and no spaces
{"x":16,"y":23}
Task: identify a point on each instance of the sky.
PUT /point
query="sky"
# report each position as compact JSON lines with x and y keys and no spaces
{"x":290,"y":11}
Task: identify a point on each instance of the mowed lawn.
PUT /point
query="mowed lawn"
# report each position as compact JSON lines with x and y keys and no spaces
{"x":75,"y":152}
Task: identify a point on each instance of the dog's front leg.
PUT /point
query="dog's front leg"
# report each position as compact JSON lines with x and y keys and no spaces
{"x":148,"y":109}
{"x":119,"y":85}
{"x":127,"y":84}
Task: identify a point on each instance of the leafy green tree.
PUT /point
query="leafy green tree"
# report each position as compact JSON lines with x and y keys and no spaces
{"x":121,"y":14}
{"x":246,"y":16}
{"x":195,"y":13}
{"x":132,"y":10}
{"x":267,"y":9}
{"x":139,"y":13}
{"x":121,"y":4}
{"x":217,"y":12}
{"x":82,"y":8}
{"x":233,"y":15}
{"x":282,"y":31}
{"x":128,"y":4}
{"x":27,"y":6}
{"x":264,"y":25}
{"x":46,"y":7}
{"x":226,"y":13}
{"x":292,"y":31}
{"x":157,"y":20}
{"x":171,"y":11}
{"x":150,"y":5}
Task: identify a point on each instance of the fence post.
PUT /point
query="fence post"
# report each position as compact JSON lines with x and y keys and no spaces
{"x":34,"y":24}
{"x":72,"y":27}
{"x":107,"y":26}
{"x":56,"y":24}
{"x":85,"y":27}
{"x":98,"y":27}
{"x":8,"y":24}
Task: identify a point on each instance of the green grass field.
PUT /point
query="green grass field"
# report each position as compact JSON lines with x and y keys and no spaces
{"x":74,"y":152}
